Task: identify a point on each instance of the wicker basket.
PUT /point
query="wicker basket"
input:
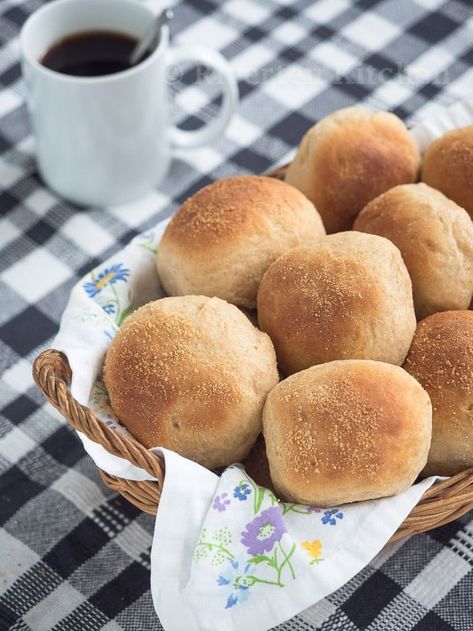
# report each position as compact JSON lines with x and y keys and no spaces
{"x":442,"y":503}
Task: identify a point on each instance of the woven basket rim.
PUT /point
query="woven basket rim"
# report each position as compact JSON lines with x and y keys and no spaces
{"x":53,"y":375}
{"x":442,"y":503}
{"x":445,"y":501}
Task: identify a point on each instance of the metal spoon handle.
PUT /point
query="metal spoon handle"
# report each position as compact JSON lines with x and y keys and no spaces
{"x":151,"y":38}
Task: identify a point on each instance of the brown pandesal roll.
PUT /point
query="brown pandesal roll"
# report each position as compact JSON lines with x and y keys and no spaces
{"x":346,"y":431}
{"x":191,"y":374}
{"x":349,"y":158}
{"x":448,"y":166}
{"x":441,"y":359}
{"x":435,"y":237}
{"x":222,"y":240}
{"x":348,"y":296}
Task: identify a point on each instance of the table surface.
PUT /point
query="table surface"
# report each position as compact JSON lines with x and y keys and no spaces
{"x":74,"y":555}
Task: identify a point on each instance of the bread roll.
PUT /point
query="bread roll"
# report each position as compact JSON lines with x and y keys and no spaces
{"x":441,"y":359}
{"x":346,"y":431}
{"x":448,"y":166}
{"x":435,"y":237}
{"x":349,"y":158}
{"x":349,"y":296}
{"x":191,"y":374}
{"x":222,"y":240}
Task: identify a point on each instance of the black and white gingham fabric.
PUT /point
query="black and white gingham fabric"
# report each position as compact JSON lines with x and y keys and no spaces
{"x":73,"y":555}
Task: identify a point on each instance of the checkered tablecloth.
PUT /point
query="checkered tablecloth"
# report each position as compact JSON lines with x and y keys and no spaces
{"x":73,"y":555}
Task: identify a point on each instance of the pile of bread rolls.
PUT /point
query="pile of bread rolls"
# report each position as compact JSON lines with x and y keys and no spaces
{"x":353,"y":397}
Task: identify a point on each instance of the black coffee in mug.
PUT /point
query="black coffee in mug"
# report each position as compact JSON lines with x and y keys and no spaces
{"x":90,"y":54}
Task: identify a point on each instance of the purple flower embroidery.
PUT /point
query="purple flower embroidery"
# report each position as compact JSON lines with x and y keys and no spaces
{"x":330,"y":517}
{"x":221,"y":502}
{"x":241,"y":492}
{"x":264,"y":531}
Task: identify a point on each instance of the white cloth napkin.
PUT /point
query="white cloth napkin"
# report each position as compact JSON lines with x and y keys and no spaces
{"x":226,"y":555}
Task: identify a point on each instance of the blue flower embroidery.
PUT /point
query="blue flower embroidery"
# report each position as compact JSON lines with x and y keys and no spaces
{"x":109,"y":308}
{"x":330,"y":517}
{"x":109,"y":334}
{"x":221,"y":502}
{"x":109,"y":276}
{"x":242,"y":491}
{"x":235,"y":582}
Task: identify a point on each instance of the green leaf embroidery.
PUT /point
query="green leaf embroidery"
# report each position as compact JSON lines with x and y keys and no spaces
{"x":258,"y":499}
{"x":216,"y":548}
{"x":316,"y":561}
{"x":124,"y":314}
{"x":259,"y":558}
{"x":147,"y":247}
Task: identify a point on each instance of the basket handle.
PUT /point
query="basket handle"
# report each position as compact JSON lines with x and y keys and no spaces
{"x":52,"y":374}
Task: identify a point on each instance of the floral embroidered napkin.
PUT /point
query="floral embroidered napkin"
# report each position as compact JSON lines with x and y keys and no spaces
{"x":226,"y":555}
{"x":98,"y":305}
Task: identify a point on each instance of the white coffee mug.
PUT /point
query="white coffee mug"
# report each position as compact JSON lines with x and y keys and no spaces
{"x":108,"y":139}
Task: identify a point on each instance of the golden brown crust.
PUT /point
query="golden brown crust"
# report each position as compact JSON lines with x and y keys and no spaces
{"x":223,"y":238}
{"x":435,"y":237}
{"x":231,"y":208}
{"x":448,"y":166}
{"x":348,"y":159}
{"x":347,"y":296}
{"x":346,"y":431}
{"x":191,"y":374}
{"x":441,"y":359}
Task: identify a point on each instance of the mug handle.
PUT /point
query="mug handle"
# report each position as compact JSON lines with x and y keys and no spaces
{"x":215,"y":61}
